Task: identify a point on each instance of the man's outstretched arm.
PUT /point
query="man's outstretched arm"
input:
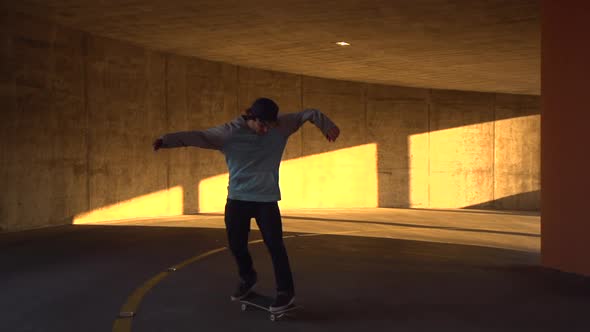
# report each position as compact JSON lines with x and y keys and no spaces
{"x":291,"y":122}
{"x":212,"y":138}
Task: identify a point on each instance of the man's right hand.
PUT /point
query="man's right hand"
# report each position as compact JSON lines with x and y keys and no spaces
{"x":157,"y":144}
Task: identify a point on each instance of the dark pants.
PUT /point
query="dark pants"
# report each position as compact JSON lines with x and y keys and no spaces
{"x":268,"y":217}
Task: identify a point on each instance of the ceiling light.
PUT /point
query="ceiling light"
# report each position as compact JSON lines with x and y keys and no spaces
{"x":343,"y":43}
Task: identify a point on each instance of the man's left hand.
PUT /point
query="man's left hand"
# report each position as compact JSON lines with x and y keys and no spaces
{"x":333,"y":134}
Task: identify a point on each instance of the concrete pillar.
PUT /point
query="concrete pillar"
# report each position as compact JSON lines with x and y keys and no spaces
{"x":565,"y":138}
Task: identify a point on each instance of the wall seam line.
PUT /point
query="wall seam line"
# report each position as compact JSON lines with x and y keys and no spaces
{"x":87,"y":117}
{"x":366,"y":138}
{"x":301,"y":109}
{"x":429,"y":104}
{"x":238,"y":90}
{"x":167,"y":114}
{"x":494,"y":204}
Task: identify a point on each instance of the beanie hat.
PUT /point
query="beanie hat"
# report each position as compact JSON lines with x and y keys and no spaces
{"x":264,"y":109}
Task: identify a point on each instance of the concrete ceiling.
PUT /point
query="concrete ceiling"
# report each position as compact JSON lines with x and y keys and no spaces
{"x":491,"y":45}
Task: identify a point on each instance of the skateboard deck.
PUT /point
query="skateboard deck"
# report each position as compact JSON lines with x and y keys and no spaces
{"x":263,"y":302}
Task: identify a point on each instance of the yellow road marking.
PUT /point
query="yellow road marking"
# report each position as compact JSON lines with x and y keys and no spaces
{"x":123,"y":324}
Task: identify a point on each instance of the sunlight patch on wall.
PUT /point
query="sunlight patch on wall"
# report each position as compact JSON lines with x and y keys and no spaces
{"x":161,"y":203}
{"x":517,"y":160}
{"x":476,"y":165}
{"x":213,"y":193}
{"x":418,"y":171}
{"x":460,"y":165}
{"x":344,"y":178}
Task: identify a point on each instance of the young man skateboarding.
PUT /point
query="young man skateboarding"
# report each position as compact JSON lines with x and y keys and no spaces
{"x":253,"y":146}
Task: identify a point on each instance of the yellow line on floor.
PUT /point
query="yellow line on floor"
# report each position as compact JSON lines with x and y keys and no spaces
{"x":129,"y":309}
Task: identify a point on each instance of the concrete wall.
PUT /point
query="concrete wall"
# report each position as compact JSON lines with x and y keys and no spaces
{"x":43,"y":170}
{"x":200,"y":94}
{"x":80,"y":113}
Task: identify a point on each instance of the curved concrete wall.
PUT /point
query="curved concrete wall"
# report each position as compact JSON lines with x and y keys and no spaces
{"x":80,"y":113}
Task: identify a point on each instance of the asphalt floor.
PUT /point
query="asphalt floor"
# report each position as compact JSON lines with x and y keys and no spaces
{"x":354,"y":270}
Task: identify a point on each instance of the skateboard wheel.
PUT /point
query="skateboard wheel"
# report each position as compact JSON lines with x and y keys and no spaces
{"x":244,"y":307}
{"x":273,"y":318}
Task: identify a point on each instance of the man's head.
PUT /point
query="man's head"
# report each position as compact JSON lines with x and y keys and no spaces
{"x":262,"y":115}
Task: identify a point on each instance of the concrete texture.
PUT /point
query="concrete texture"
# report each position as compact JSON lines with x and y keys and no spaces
{"x":82,"y":112}
{"x":125,"y":105}
{"x":342,"y":101}
{"x":461,"y":149}
{"x":517,"y":152}
{"x":200,"y":94}
{"x":337,"y":173}
{"x":394,"y":116}
{"x":77,"y":277}
{"x":565,"y":136}
{"x":490,"y":45}
{"x":43,"y":167}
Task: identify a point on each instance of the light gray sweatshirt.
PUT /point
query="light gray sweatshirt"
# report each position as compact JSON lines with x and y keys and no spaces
{"x":253,"y":160}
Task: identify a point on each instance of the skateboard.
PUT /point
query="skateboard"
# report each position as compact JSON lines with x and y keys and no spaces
{"x":263,"y":302}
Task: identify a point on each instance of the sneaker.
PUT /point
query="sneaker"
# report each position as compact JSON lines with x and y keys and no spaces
{"x":283,"y":301}
{"x":243,"y":289}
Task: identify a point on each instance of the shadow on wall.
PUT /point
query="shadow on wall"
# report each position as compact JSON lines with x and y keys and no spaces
{"x":529,"y":199}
